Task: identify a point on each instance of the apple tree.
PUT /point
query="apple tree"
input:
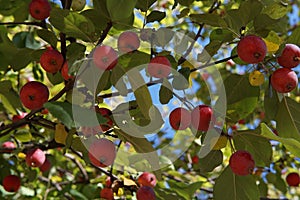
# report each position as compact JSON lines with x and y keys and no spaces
{"x":149,"y":99}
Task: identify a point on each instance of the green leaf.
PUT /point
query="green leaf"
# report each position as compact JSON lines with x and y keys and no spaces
{"x":9,"y":7}
{"x":237,"y":187}
{"x":209,"y":19}
{"x":221,"y":34}
{"x":181,"y":80}
{"x":141,"y":92}
{"x":212,"y":160}
{"x":98,"y":18}
{"x":271,"y":104}
{"x":165,"y":92}
{"x":287,"y":118}
{"x":185,"y":2}
{"x":259,"y":147}
{"x":144,"y":5}
{"x":124,"y":23}
{"x":75,"y":52}
{"x":62,"y":111}
{"x":241,"y":109}
{"x":142,"y":146}
{"x":73,"y":24}
{"x":184,"y":12}
{"x":238,"y":88}
{"x":47,"y":36}
{"x":117,"y":80}
{"x":164,"y":36}
{"x":291,"y":144}
{"x":209,"y":51}
{"x":55,"y":78}
{"x":294,"y":38}
{"x":263,"y":24}
{"x":276,"y":10}
{"x":155,"y":16}
{"x":120,"y":9}
{"x":9,"y":96}
{"x":23,"y":135}
{"x":184,"y":190}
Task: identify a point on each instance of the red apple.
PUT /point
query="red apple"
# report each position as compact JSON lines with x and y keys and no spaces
{"x":8,"y":146}
{"x":65,"y":72}
{"x":108,"y":182}
{"x":241,"y":163}
{"x":195,"y":159}
{"x":145,"y":193}
{"x":180,"y":118}
{"x":201,"y":117}
{"x":128,"y":41}
{"x":45,"y":166}
{"x":293,"y":179}
{"x":35,"y":157}
{"x":51,"y":60}
{"x":242,"y":121}
{"x":252,"y":49}
{"x":290,"y":56}
{"x":18,"y":117}
{"x":39,"y":9}
{"x":105,"y":57}
{"x":284,"y":80}
{"x":159,"y":67}
{"x":147,"y":179}
{"x":34,"y":94}
{"x":102,"y":152}
{"x":11,"y":183}
{"x":107,"y":193}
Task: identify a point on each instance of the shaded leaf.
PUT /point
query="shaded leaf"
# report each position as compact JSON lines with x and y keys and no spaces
{"x":155,"y":16}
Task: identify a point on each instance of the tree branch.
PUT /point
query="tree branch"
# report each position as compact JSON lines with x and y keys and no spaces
{"x":104,"y":33}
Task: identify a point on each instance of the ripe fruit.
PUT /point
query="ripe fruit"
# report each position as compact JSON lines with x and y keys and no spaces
{"x":45,"y":166}
{"x":51,"y":60}
{"x":128,"y":41}
{"x":284,"y":80}
{"x":145,"y":192}
{"x":256,"y":78}
{"x":35,"y":158}
{"x":147,"y":179}
{"x":39,"y":9}
{"x":8,"y":146}
{"x":159,"y":67}
{"x":201,"y":117}
{"x":78,"y":5}
{"x":11,"y":183}
{"x":18,"y":117}
{"x":108,"y":182}
{"x":252,"y":49}
{"x":107,"y":193}
{"x":65,"y":72}
{"x":105,"y":57}
{"x":241,"y":163}
{"x":290,"y":56}
{"x":106,"y":113}
{"x":102,"y":152}
{"x":293,"y":179}
{"x":34,"y":94}
{"x":195,"y":159}
{"x":180,"y":118}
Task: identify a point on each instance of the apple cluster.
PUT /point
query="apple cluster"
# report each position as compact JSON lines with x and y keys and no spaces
{"x":252,"y":49}
{"x":200,"y":118}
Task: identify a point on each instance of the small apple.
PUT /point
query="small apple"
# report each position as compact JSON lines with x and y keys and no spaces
{"x":145,"y":193}
{"x":105,"y":57}
{"x":8,"y":146}
{"x":65,"y":72}
{"x":284,"y":80}
{"x":102,"y":152}
{"x":34,"y":94}
{"x":242,"y":121}
{"x":45,"y":166}
{"x":108,"y":182}
{"x":51,"y":61}
{"x":107,"y":193}
{"x":11,"y":183}
{"x":241,"y":163}
{"x":35,"y":157}
{"x":293,"y":179}
{"x":147,"y":179}
{"x":195,"y":159}
{"x":78,"y":5}
{"x":18,"y":117}
{"x":201,"y":117}
{"x":180,"y":118}
{"x":39,"y":9}
{"x":290,"y":56}
{"x":128,"y":41}
{"x":159,"y":67}
{"x":252,"y":49}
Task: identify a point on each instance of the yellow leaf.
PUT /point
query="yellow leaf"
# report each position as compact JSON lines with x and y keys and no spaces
{"x":218,"y":143}
{"x":273,"y":42}
{"x":60,"y":134}
{"x":21,"y":155}
{"x":256,"y":78}
{"x":56,"y":179}
{"x":129,"y":182}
